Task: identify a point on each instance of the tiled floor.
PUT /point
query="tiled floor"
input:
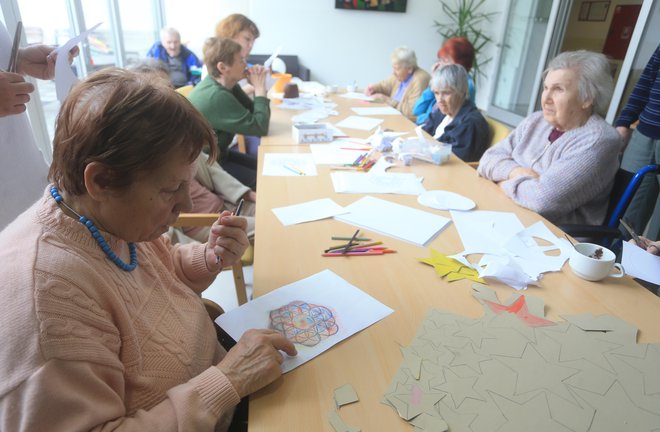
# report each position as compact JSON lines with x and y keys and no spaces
{"x":222,"y":290}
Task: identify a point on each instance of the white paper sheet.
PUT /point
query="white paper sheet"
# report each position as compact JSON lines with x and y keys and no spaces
{"x":338,"y":152}
{"x":392,"y":183}
{"x":446,"y":200}
{"x":301,"y":103}
{"x":531,"y":257}
{"x":486,"y":231}
{"x":313,"y":115}
{"x":308,"y":211}
{"x":270,"y":59}
{"x":373,"y":111}
{"x":517,"y":260}
{"x":359,"y":123}
{"x":395,"y":220}
{"x":640,"y":264}
{"x":382,"y":165}
{"x":356,"y":96}
{"x":507,"y":270}
{"x":330,"y":305}
{"x":289,"y":164}
{"x":64,"y":76}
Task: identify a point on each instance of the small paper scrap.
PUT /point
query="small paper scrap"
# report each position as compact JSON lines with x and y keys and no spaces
{"x":345,"y":395}
{"x":338,"y":424}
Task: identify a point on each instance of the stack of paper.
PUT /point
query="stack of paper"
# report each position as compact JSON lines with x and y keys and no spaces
{"x":391,"y":183}
{"x":395,"y":220}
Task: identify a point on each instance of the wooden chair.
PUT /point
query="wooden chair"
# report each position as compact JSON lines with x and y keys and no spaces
{"x":207,"y":219}
{"x":212,"y":308}
{"x":240,"y":140}
{"x":185,"y":90}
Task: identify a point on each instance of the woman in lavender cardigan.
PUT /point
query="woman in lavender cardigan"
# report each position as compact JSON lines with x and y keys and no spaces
{"x":561,"y":162}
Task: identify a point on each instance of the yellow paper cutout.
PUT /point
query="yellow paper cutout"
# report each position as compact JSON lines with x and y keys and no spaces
{"x":451,"y":268}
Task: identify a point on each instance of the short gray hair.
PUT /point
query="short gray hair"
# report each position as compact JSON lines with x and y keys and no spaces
{"x":404,"y":56}
{"x":149,"y":65}
{"x":595,"y":81}
{"x":170,"y":31}
{"x":453,"y":76}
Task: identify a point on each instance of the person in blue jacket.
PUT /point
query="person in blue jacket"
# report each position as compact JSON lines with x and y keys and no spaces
{"x":457,"y":50}
{"x":183,"y":64}
{"x":457,"y":121}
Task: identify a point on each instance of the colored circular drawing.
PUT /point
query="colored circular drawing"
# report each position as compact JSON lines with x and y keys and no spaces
{"x":304,"y":323}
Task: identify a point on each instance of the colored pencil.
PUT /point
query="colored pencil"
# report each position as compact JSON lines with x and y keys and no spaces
{"x":348,"y":238}
{"x":368,"y":253}
{"x":330,"y":249}
{"x":294,"y":169}
{"x":350,"y":242}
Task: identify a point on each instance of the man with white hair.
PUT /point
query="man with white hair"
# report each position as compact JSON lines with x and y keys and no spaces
{"x":179,"y":59}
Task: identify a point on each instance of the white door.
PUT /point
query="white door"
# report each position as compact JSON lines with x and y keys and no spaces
{"x":531,"y":38}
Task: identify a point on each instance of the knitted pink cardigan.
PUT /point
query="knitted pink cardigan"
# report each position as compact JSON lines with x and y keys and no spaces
{"x":87,"y":346}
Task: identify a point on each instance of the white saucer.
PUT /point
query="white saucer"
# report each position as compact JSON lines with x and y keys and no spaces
{"x":445,"y":200}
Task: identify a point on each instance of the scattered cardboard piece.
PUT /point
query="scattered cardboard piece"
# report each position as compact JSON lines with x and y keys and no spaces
{"x":459,"y":388}
{"x":412,"y":362}
{"x":615,"y":411}
{"x":429,"y":422}
{"x":345,"y":395}
{"x":498,"y":373}
{"x":531,"y":415}
{"x":338,"y":424}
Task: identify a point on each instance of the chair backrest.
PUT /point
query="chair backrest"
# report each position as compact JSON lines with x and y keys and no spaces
{"x":498,"y":131}
{"x":207,"y":219}
{"x":625,"y":186}
{"x":185,"y":90}
{"x":293,"y":65}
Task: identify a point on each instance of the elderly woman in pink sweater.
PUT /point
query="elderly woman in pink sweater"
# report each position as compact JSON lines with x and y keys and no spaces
{"x":102,"y":323}
{"x":561,"y":162}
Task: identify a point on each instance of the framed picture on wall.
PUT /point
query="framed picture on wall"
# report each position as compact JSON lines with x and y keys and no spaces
{"x":593,"y":10}
{"x":372,"y":5}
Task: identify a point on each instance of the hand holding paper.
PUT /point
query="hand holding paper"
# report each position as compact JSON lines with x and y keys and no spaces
{"x":64,"y":76}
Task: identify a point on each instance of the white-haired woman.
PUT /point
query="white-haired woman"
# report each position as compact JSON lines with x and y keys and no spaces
{"x":406,"y":84}
{"x":561,"y":162}
{"x":457,"y":121}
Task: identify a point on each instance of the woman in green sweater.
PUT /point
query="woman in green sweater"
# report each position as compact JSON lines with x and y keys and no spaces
{"x":228,"y":109}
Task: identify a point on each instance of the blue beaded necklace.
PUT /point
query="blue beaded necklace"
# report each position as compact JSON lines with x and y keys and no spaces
{"x":99,"y":237}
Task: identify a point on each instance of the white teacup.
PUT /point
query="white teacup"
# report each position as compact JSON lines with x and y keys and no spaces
{"x":585,"y":262}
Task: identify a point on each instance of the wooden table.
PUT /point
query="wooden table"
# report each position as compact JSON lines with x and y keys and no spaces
{"x":368,"y":360}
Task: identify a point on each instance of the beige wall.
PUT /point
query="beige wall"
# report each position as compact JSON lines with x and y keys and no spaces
{"x":589,"y":35}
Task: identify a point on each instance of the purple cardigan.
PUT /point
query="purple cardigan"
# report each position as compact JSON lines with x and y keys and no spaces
{"x":576,"y":172}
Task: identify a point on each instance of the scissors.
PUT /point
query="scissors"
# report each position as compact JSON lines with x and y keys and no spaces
{"x":632,"y":232}
{"x":13,"y":58}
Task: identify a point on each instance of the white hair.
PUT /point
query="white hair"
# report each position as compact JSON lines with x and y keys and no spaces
{"x":453,"y":76}
{"x":404,"y":56}
{"x":169,"y":31}
{"x":595,"y":81}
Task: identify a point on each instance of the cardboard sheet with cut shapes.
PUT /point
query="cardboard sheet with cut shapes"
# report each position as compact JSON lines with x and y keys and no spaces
{"x":514,"y":370}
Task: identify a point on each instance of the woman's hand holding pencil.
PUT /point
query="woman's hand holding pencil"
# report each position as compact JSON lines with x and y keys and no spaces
{"x":228,"y":239}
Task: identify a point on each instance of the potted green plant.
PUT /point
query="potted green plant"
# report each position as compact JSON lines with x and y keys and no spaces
{"x":467,"y":20}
